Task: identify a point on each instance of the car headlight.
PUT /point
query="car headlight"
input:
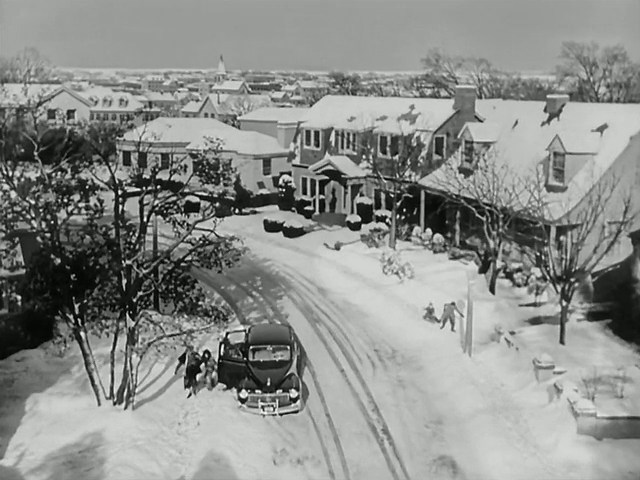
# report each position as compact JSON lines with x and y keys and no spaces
{"x":243,"y":395}
{"x":294,"y":394}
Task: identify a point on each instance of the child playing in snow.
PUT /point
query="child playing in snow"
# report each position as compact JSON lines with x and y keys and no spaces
{"x":209,"y":377}
{"x":430,"y":313}
{"x":449,"y":313}
{"x":192,"y":360}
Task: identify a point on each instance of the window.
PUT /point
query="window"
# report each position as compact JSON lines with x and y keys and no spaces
{"x":304,"y":186}
{"x":71,"y":115}
{"x":114,"y":117}
{"x":164,"y":161}
{"x":266,"y":167}
{"x":557,"y":168}
{"x":468,"y":151}
{"x":388,"y":145}
{"x":92,"y":116}
{"x":51,"y":114}
{"x":206,"y":115}
{"x":346,"y":141}
{"x":312,"y":187}
{"x":142,"y":159}
{"x":312,"y":139}
{"x":126,"y":159}
{"x":439,"y":145}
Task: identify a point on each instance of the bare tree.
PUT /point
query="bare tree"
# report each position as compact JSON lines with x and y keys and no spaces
{"x":575,"y":247}
{"x":445,"y":71}
{"x":27,"y":66}
{"x":491,"y":192}
{"x":599,"y":74}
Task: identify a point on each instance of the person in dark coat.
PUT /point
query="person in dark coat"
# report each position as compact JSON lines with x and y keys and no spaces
{"x":449,"y":313}
{"x":210,"y":376}
{"x":192,"y":361}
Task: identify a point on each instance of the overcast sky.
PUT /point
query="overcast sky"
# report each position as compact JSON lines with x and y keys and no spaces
{"x":310,"y":34}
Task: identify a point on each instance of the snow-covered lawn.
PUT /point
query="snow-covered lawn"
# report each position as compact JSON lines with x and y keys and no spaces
{"x":487,"y":412}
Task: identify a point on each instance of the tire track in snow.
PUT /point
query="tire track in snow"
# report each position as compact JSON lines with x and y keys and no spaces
{"x":210,"y":279}
{"x":370,"y":411}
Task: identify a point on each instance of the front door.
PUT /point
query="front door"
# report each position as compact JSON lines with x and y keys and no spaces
{"x":232,"y":358}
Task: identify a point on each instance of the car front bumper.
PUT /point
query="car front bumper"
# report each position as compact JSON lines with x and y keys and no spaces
{"x":267,"y":406}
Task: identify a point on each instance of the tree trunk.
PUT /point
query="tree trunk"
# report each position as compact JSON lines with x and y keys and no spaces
{"x":496,"y":259}
{"x":125,"y":390}
{"x":89,"y":366}
{"x":456,"y":229}
{"x":112,"y":358}
{"x":394,"y":218}
{"x":564,"y":317}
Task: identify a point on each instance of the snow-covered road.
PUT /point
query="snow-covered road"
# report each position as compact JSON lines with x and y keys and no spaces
{"x":373,"y":404}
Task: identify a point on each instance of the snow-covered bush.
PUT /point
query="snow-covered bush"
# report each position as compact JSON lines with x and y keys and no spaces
{"x":438,"y":243}
{"x":293,"y":229}
{"x":308,"y":212}
{"x":272,"y":225}
{"x":382,"y":216}
{"x":302,"y":202}
{"x":286,"y":190}
{"x":354,"y":222}
{"x":379,"y":227}
{"x":364,"y":208}
{"x":374,"y":235}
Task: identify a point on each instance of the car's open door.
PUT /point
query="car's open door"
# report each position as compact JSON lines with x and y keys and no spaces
{"x":232,"y":357}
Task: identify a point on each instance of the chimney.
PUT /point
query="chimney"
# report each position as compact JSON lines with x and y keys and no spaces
{"x":465,"y":99}
{"x":555,"y":102}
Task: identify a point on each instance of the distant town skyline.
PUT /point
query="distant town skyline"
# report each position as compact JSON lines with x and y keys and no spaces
{"x":355,"y":35}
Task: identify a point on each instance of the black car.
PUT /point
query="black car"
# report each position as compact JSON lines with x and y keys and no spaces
{"x":263,"y":363}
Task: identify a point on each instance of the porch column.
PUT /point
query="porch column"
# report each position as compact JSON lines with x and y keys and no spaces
{"x":316,"y":201}
{"x":349,"y":206}
{"x":423,"y":197}
{"x":456,"y":232}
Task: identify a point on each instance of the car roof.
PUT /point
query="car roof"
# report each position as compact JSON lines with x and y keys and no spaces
{"x":269,"y":334}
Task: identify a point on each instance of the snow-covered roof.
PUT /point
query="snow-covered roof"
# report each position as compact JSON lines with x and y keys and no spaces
{"x":230,"y":86}
{"x":276,"y":114}
{"x":279,"y":95}
{"x":485,"y":132}
{"x":524,"y":137}
{"x":579,"y":141}
{"x":159,"y":96}
{"x":174,"y":130}
{"x":392,"y":115}
{"x":341,"y":163}
{"x":242,"y":142}
{"x":192,"y":133}
{"x":191,"y":107}
{"x":16,"y":94}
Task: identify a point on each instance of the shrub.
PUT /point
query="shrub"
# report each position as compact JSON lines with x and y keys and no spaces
{"x":382,"y":216}
{"x":286,"y":191}
{"x":272,"y":225}
{"x":293,"y":229}
{"x":438,"y":244}
{"x":308,"y":212}
{"x":354,"y":222}
{"x":302,"y":203}
{"x":364,"y":209}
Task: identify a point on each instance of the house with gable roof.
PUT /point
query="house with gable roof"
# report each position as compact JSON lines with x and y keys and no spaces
{"x":259,"y":159}
{"x":341,"y":135}
{"x":237,"y":87}
{"x":574,"y":148}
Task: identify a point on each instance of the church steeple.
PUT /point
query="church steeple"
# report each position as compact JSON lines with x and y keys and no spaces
{"x":221,"y":69}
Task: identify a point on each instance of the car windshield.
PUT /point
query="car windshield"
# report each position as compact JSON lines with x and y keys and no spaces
{"x":270,"y":353}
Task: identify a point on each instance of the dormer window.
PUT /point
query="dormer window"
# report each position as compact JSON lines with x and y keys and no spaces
{"x":346,"y":141}
{"x":312,"y":139}
{"x":557,"y":168}
{"x":439,"y":145}
{"x":468,"y":152}
{"x":388,"y":145}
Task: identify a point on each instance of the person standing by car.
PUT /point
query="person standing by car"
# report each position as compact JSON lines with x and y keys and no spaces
{"x":210,"y":376}
{"x":192,"y":361}
{"x":449,"y":313}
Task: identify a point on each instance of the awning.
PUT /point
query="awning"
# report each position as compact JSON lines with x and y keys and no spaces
{"x":339,"y":163}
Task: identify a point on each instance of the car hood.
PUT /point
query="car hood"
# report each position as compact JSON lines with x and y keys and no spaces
{"x":268,"y":376}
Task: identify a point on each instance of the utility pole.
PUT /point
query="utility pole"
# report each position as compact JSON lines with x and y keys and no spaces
{"x":156,"y":273}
